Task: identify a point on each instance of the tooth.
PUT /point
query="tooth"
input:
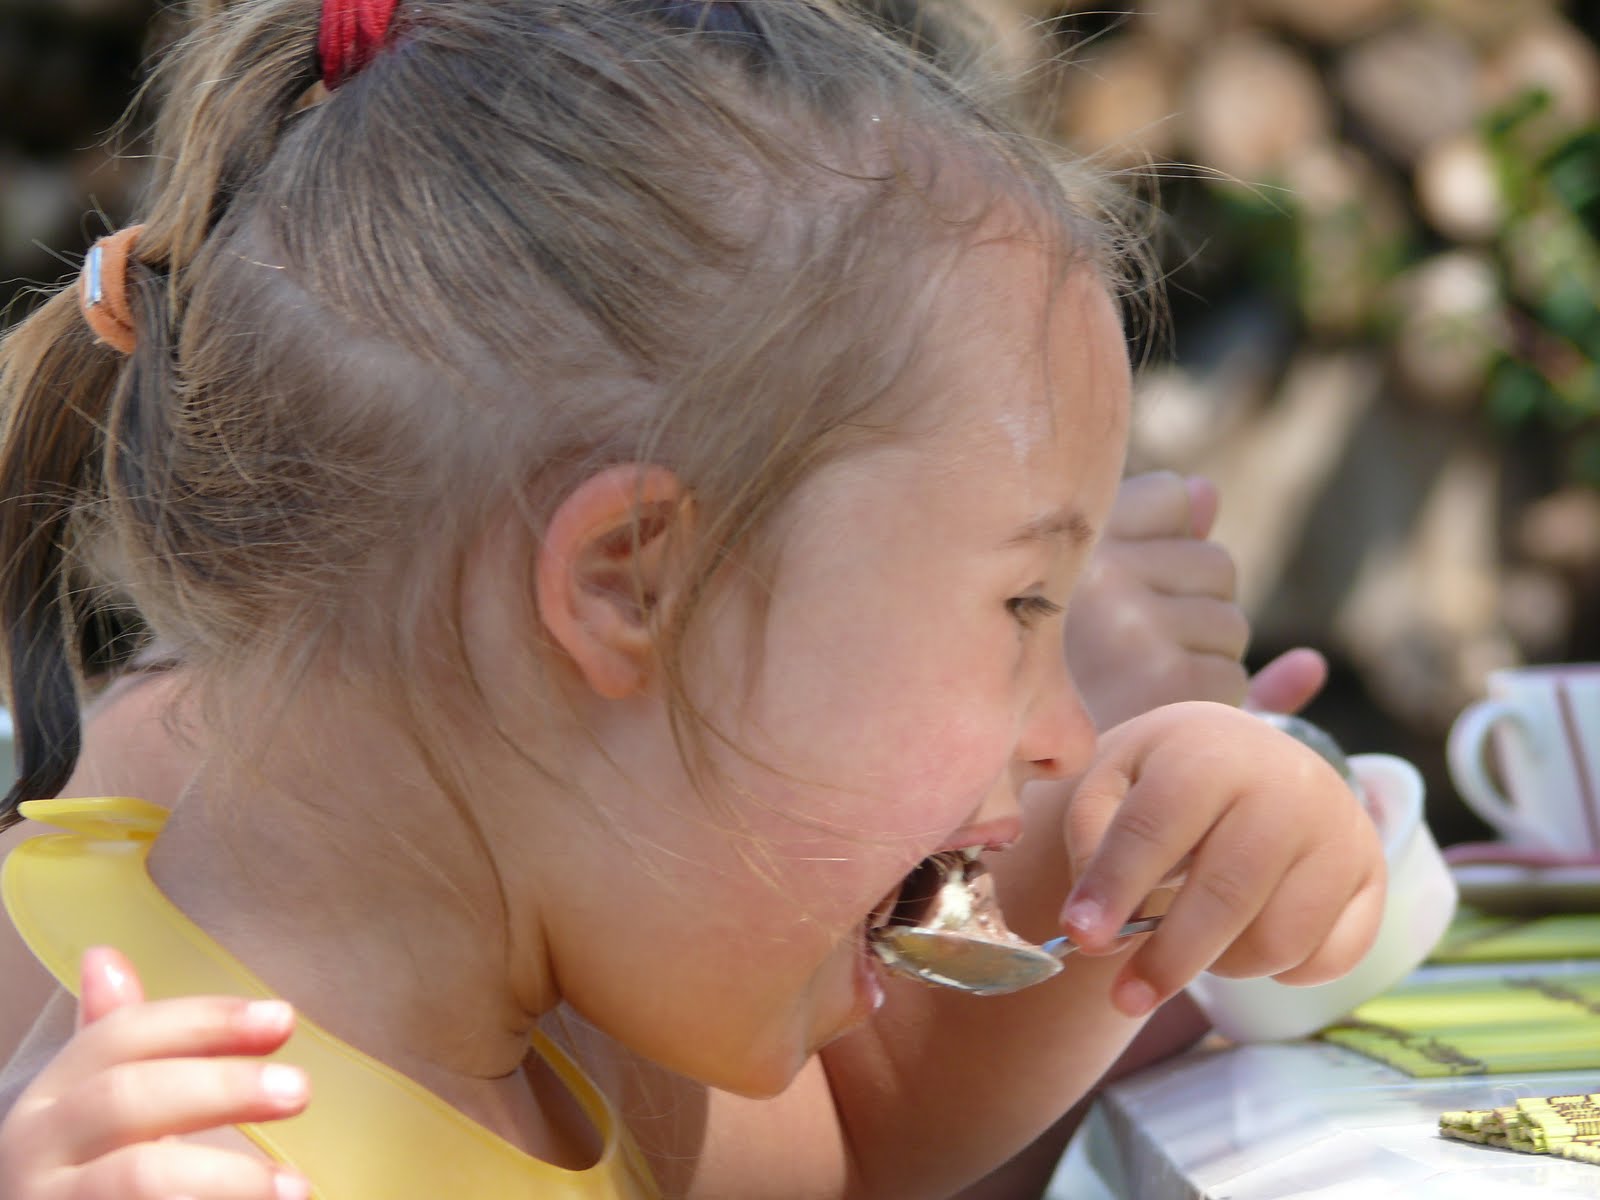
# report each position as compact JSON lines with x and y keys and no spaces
{"x":970,"y":853}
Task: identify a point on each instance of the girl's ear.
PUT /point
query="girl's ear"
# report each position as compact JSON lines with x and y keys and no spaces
{"x":601,"y":576}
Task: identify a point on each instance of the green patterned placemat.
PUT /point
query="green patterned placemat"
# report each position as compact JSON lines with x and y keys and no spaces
{"x":1476,"y":937}
{"x":1516,"y":1022}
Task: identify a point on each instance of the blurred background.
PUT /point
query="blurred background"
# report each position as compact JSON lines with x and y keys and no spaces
{"x":1382,"y":255}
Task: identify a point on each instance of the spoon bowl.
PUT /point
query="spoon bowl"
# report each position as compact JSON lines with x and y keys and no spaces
{"x":948,"y":931}
{"x":973,"y":963}
{"x":967,"y":963}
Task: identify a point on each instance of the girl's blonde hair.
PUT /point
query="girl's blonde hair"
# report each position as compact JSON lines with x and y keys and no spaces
{"x":530,"y":239}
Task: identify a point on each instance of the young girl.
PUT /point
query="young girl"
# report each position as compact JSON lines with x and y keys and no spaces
{"x":613,"y":472}
{"x":1154,"y":590}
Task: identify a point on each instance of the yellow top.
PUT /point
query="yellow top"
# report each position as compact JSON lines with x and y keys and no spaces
{"x":370,"y":1133}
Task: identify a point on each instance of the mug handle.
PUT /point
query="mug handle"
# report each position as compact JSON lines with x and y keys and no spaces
{"x":1465,"y":750}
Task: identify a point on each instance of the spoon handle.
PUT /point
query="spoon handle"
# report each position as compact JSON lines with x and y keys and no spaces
{"x":1063,"y":946}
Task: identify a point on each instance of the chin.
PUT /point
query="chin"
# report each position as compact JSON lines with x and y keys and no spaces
{"x":765,"y":1065}
{"x":759,"y":1076}
{"x":760,"y":1055}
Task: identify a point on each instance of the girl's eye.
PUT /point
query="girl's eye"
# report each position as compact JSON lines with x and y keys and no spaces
{"x":1030,"y":610}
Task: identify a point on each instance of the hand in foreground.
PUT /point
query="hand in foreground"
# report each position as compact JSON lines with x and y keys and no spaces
{"x":1284,"y":873}
{"x":98,"y":1122}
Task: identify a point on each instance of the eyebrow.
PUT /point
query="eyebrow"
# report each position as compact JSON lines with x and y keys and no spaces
{"x":1066,"y":523}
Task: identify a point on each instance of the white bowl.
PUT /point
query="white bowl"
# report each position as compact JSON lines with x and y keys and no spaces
{"x":1420,"y":903}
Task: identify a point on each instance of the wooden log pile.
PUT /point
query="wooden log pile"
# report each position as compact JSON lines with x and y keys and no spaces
{"x":67,"y":71}
{"x":1384,"y":246}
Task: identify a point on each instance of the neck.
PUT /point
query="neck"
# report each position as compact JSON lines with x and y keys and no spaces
{"x":373,"y":909}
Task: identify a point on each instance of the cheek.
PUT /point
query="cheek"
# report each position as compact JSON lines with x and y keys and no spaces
{"x":945,"y":762}
{"x":965,"y":751}
{"x":965,"y":710}
{"x":892,"y":730}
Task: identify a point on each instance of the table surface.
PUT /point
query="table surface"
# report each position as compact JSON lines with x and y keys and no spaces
{"x":1268,"y":1121}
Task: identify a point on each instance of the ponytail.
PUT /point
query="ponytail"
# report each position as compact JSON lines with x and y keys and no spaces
{"x":86,"y":440}
{"x":58,"y":384}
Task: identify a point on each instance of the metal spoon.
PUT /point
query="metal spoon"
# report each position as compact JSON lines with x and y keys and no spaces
{"x":947,"y":929}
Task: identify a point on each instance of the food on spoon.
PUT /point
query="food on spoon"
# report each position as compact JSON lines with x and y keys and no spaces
{"x":949,"y":893}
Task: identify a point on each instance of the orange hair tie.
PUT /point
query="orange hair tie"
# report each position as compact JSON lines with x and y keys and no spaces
{"x":103,"y":289}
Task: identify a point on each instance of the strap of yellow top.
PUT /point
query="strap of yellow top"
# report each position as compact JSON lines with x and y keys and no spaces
{"x":370,"y":1132}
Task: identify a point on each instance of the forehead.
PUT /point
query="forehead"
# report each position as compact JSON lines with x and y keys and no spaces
{"x":1014,"y":426}
{"x":1021,"y":355}
{"x":1009,"y":425}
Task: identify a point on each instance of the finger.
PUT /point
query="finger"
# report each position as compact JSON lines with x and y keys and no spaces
{"x":1347,"y":943}
{"x":1176,"y":566}
{"x":1341,"y":884}
{"x":1235,"y":872}
{"x":1165,"y":675}
{"x":1154,"y":504}
{"x":107,"y":981}
{"x":144,"y":1101}
{"x":191,"y":1026}
{"x":1294,"y":921}
{"x":1215,"y":677}
{"x":163,"y":1170}
{"x":1289,"y":682}
{"x":1202,"y":625}
{"x":1135,"y":837}
{"x":1204,"y":500}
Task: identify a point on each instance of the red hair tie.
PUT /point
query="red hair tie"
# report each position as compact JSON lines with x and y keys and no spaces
{"x":352,"y":31}
{"x":103,"y":289}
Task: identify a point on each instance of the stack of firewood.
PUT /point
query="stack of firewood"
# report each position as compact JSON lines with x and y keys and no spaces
{"x":67,"y":71}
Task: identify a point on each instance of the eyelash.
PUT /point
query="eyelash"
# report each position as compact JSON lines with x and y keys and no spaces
{"x":1030,"y":610}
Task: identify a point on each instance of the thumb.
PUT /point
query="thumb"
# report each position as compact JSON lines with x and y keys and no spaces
{"x":1287,"y":683}
{"x":107,"y":982}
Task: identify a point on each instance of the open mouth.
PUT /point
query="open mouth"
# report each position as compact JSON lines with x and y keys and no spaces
{"x":935,"y":892}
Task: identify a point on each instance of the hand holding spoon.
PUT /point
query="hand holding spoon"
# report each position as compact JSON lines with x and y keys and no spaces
{"x":947,"y":929}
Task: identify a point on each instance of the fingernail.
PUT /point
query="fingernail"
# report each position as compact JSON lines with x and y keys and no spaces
{"x":290,"y":1187}
{"x":284,"y":1084}
{"x":268,"y":1016}
{"x":1083,"y":914}
{"x":114,"y":975}
{"x":1134,"y":997}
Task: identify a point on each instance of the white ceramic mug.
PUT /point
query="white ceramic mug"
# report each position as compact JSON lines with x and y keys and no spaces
{"x":1542,"y":727}
{"x":1420,"y":901}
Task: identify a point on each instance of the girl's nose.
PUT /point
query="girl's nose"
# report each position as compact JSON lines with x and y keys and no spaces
{"x":1058,"y":739}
